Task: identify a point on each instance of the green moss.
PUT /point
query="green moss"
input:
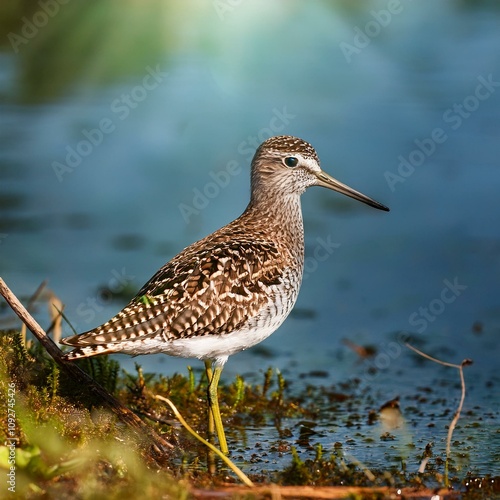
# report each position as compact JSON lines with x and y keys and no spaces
{"x":66,"y":445}
{"x":60,"y":447}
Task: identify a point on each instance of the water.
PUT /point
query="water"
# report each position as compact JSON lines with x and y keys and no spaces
{"x":153,"y":109}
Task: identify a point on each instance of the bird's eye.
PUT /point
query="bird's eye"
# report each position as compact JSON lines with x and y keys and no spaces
{"x":291,"y":161}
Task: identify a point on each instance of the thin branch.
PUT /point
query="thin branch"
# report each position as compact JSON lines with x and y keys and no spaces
{"x":453,"y":423}
{"x":81,"y":377}
{"x":55,"y":311}
{"x":423,"y":354}
{"x":36,"y":294}
{"x":465,"y":362}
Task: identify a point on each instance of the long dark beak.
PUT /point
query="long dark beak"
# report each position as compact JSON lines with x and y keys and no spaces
{"x":329,"y":182}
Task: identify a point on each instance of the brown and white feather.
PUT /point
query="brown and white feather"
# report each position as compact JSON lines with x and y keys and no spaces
{"x":229,"y":290}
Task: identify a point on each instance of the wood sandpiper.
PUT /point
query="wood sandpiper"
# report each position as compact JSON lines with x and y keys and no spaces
{"x":232,"y":289}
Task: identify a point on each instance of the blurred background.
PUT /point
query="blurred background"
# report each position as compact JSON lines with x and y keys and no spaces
{"x":127,"y":132}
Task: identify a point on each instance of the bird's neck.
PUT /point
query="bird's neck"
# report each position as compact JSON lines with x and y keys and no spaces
{"x":280,"y":219}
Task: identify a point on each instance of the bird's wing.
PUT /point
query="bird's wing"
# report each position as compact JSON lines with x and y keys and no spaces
{"x":210,"y":291}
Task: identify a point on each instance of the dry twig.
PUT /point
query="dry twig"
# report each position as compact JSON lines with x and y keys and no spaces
{"x":81,"y":377}
{"x":465,"y":362}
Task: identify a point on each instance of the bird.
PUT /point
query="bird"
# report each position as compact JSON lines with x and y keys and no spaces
{"x":232,"y":289}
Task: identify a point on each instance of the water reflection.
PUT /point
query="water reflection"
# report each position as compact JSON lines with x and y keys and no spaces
{"x":87,"y":44}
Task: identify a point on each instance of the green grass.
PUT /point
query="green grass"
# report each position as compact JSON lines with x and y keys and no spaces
{"x":67,"y":445}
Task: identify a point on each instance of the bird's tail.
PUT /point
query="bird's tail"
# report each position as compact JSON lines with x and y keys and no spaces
{"x":88,"y":351}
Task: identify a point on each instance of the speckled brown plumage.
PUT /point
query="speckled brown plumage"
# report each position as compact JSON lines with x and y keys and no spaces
{"x":233,"y":288}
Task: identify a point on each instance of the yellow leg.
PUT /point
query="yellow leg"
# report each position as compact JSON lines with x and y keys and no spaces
{"x":214,"y":418}
{"x":211,"y":424}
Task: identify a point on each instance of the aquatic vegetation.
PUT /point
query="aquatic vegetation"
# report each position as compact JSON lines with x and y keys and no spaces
{"x":63,"y":446}
{"x":63,"y":440}
{"x":66,"y":445}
